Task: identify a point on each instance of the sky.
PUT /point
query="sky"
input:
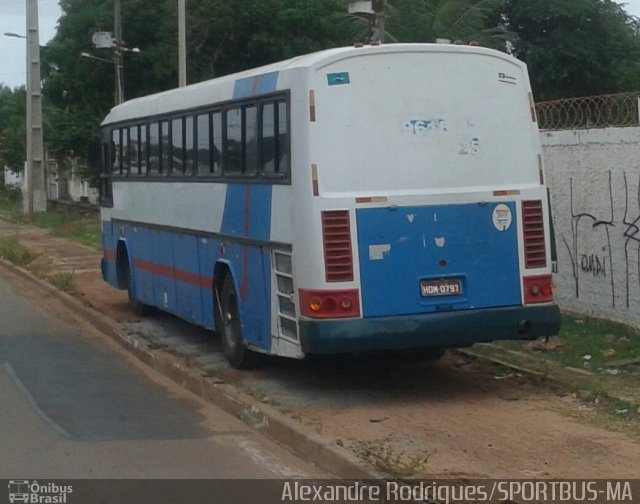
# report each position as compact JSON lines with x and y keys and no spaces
{"x":13,"y":50}
{"x":13,"y":19}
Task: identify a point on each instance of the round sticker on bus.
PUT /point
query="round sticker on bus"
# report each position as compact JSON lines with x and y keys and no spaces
{"x":502,"y":217}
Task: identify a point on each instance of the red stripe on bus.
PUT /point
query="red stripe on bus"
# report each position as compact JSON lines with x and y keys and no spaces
{"x":110,"y":255}
{"x":176,"y":274}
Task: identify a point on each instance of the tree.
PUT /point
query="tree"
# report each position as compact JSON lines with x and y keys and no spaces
{"x":427,"y":20}
{"x":249,"y":33}
{"x":13,"y":136}
{"x":575,"y":47}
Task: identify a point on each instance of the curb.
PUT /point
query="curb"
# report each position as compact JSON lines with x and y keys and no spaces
{"x":259,"y":417}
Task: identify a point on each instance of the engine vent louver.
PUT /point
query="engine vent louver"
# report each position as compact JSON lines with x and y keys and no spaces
{"x":535,"y":255}
{"x":338,"y":254}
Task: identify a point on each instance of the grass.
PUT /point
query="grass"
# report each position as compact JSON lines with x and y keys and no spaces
{"x":63,"y":281}
{"x":13,"y":251}
{"x":65,"y":222}
{"x":589,"y":343}
{"x":11,"y":204}
{"x":605,"y":342}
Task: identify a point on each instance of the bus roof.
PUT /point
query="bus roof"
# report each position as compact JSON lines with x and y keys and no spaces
{"x":207,"y":92}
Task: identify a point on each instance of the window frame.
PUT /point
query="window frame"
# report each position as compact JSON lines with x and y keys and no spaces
{"x":256,"y":175}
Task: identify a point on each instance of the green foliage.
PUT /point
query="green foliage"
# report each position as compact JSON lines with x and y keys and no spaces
{"x":572,"y":47}
{"x":427,"y":20}
{"x":12,"y":127}
{"x":575,"y":47}
{"x":249,"y":33}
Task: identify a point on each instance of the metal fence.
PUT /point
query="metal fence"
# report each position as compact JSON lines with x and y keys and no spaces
{"x":589,"y":112}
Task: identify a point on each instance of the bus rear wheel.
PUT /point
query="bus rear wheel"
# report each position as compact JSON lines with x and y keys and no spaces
{"x":136,"y":306}
{"x":230,"y":327}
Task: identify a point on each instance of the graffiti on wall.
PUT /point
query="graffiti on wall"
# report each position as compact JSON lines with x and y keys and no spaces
{"x":595,"y":235}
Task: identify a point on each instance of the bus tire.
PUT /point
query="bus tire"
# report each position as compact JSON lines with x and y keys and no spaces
{"x":230,"y":327}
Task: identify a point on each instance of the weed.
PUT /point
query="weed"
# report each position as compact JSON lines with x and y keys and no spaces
{"x":11,"y":204}
{"x":63,"y":281}
{"x":13,"y":251}
{"x":387,"y":460}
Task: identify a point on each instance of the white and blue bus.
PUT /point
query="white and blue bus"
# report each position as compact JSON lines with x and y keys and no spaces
{"x":356,"y":199}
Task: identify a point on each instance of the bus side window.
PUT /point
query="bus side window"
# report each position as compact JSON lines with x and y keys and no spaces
{"x":268,"y":152}
{"x":188,"y":145}
{"x":116,"y":151}
{"x":134,"y":150}
{"x":177,"y":146}
{"x":216,"y":149}
{"x":204,"y":145}
{"x":105,"y":175}
{"x":233,"y":144}
{"x":154,"y":149}
{"x":250,"y":140}
{"x":124,"y":166}
{"x":165,"y":148}
{"x":143,"y":150}
{"x":282,"y":167}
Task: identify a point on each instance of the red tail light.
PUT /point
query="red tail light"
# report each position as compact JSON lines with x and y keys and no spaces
{"x":538,"y":289}
{"x":535,"y":255}
{"x":336,"y":237}
{"x":324,"y":304}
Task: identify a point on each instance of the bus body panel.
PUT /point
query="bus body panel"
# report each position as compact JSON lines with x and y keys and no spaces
{"x":173,"y":270}
{"x":441,"y":329}
{"x":404,"y":247}
{"x":424,"y":122}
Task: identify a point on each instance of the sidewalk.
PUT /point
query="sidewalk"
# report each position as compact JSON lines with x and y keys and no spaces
{"x":81,"y":262}
{"x":459,"y":418}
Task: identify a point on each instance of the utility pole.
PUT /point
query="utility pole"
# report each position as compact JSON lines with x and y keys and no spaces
{"x":182,"y":44}
{"x":36,"y":193}
{"x":117,"y":52}
{"x":378,"y":7}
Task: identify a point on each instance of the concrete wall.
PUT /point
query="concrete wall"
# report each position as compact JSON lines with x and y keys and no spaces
{"x":61,"y":184}
{"x":12,"y":179}
{"x":594,"y":179}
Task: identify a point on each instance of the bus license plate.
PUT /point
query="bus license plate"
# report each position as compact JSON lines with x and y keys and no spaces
{"x":432,"y":288}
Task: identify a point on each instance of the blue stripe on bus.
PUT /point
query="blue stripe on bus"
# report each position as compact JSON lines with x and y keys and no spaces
{"x":256,"y":85}
{"x":247,"y":211}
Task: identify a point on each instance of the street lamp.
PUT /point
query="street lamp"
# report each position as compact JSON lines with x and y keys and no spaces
{"x":91,"y":56}
{"x":117,"y":62}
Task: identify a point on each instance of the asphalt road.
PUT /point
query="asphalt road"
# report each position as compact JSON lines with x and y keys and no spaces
{"x":73,"y":405}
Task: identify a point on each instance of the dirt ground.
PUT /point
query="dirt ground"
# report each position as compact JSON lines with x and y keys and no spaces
{"x":455,"y":418}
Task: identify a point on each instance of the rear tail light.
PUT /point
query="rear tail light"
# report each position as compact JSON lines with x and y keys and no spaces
{"x":336,"y":239}
{"x":324,"y":304}
{"x":538,"y":289}
{"x":535,"y":255}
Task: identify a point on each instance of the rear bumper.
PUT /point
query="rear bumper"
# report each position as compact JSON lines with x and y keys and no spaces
{"x":447,"y":329}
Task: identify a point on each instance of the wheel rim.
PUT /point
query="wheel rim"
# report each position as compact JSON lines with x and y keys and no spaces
{"x":231,"y":321}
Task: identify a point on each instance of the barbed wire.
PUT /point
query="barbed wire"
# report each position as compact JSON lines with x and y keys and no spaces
{"x":589,"y":112}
